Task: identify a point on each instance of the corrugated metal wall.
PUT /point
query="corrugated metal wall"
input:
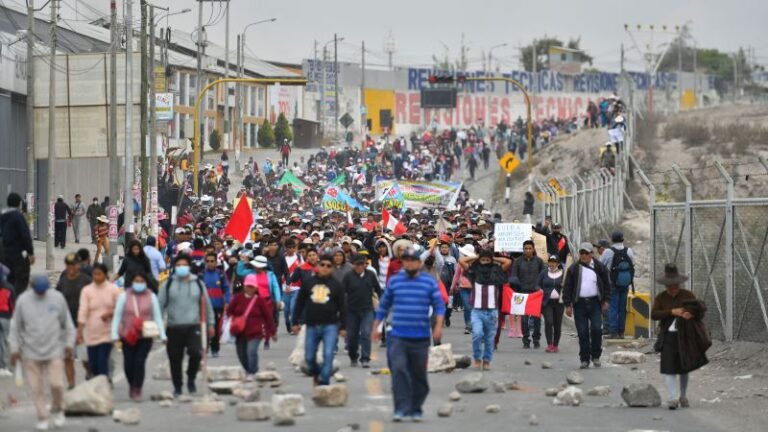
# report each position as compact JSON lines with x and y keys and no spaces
{"x":13,"y":145}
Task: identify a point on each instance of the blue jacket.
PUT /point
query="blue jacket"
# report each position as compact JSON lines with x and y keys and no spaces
{"x":218,"y":288}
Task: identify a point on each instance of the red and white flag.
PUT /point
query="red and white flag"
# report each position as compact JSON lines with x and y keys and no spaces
{"x":240,"y":223}
{"x":524,"y":304}
{"x":391,"y":223}
{"x":350,"y":222}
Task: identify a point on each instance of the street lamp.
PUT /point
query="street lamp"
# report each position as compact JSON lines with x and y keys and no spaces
{"x":239,"y":87}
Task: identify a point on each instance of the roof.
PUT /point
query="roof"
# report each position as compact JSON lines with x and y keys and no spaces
{"x":71,"y":37}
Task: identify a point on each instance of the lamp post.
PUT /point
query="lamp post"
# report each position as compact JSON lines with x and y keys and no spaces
{"x":239,"y":87}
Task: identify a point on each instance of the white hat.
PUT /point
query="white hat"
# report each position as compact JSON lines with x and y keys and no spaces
{"x":259,"y":262}
{"x":102,"y":219}
{"x":413,"y":222}
{"x":468,"y":251}
{"x":184,"y":246}
{"x":357,"y":243}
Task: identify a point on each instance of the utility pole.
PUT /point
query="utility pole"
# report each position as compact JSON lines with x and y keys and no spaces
{"x":237,"y":139}
{"x":31,"y":112}
{"x":314,"y":65}
{"x":49,"y":259}
{"x":129,"y":173}
{"x":114,"y":160}
{"x":322,"y":92}
{"x":363,"y":109}
{"x":199,"y":80}
{"x":226,"y":87}
{"x":152,"y":126}
{"x":696,"y":73}
{"x":336,"y":84}
{"x":143,"y":103}
{"x":535,"y":85}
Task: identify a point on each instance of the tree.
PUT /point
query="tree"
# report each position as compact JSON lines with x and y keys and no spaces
{"x":542,"y":51}
{"x":282,"y":130}
{"x":214,"y":139}
{"x":266,"y":136}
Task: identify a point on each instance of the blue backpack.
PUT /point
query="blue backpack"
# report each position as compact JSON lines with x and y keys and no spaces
{"x":622,"y":268}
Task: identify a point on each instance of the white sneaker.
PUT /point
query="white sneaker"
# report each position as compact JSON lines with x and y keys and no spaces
{"x":59,"y":419}
{"x":5,"y":373}
{"x":42,"y":425}
{"x":248,"y":377}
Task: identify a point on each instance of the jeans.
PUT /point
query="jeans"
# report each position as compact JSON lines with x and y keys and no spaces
{"x":617,"y":311}
{"x":289,"y":300}
{"x":359,"y":326}
{"x":98,"y":358}
{"x":483,"y":331}
{"x":60,"y":234}
{"x":329,"y":335}
{"x":467,"y":307}
{"x":135,"y":362}
{"x":181,"y":338}
{"x":553,"y":321}
{"x":531,"y":325}
{"x":5,"y":329}
{"x":589,"y":325}
{"x":248,"y":354}
{"x":407,"y":359}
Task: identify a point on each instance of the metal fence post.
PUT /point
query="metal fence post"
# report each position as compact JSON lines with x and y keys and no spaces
{"x":652,"y":213}
{"x":688,"y":222}
{"x":729,"y":296}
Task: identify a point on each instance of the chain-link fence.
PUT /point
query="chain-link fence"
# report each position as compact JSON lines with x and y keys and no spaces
{"x":722,"y":245}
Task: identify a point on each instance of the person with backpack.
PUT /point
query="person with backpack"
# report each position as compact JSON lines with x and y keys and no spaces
{"x":185,"y":300}
{"x":620,"y":261}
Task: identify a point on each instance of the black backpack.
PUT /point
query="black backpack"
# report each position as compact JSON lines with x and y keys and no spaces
{"x":622,"y":268}
{"x":447,"y":273}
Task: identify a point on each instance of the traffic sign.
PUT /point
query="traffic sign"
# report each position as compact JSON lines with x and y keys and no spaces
{"x":509,"y":162}
{"x":557,"y":186}
{"x":346,"y":120}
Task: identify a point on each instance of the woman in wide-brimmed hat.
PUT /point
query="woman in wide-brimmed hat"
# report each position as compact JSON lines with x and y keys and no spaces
{"x":672,"y":308}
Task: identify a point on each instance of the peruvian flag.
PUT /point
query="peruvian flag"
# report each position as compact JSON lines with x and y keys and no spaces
{"x":521,"y":303}
{"x":240,"y":223}
{"x":391,"y":223}
{"x":350,"y":222}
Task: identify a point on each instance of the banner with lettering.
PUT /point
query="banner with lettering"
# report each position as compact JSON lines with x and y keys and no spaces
{"x":335,"y":199}
{"x":422,"y":194}
{"x":392,"y":198}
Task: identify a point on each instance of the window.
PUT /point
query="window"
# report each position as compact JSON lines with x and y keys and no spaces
{"x":182,"y":122}
{"x":211,"y":97}
{"x":253,"y":103}
{"x":183,"y":90}
{"x":260,"y":102}
{"x":563,"y":57}
{"x":192,"y":90}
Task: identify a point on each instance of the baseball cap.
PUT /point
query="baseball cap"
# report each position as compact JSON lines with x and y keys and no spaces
{"x":554,"y":258}
{"x":71,"y":259}
{"x":411,"y":252}
{"x":346,"y":239}
{"x":251,"y":280}
{"x":358,"y":259}
{"x":586,"y":246}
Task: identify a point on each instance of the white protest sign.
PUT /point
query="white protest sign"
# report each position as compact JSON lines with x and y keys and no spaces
{"x":510,"y":236}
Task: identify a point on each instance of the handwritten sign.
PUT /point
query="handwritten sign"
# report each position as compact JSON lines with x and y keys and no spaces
{"x":510,"y":236}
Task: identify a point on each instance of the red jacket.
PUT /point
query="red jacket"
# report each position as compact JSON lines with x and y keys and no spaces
{"x":259,"y":324}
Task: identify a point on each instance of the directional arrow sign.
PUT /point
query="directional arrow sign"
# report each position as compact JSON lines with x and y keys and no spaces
{"x":509,"y":162}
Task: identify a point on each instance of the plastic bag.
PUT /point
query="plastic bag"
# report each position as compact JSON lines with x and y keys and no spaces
{"x":226,"y":336}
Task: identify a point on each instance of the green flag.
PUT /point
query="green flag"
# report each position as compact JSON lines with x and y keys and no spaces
{"x":340,"y":180}
{"x":290,"y":179}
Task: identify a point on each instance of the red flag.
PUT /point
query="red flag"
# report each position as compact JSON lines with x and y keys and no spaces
{"x":391,"y":223}
{"x":350,"y":222}
{"x":526,"y":304}
{"x":240,"y":223}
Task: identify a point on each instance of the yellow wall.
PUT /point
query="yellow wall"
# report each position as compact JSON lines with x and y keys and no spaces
{"x":377,"y":100}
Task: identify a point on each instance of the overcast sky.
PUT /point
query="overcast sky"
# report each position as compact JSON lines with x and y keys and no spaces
{"x":421,"y":27}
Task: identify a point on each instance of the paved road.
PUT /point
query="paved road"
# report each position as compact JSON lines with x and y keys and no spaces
{"x":370,"y":402}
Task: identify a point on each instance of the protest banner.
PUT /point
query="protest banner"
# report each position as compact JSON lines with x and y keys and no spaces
{"x":510,"y":236}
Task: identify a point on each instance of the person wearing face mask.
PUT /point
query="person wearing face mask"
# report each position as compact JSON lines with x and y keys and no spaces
{"x":136,"y":302}
{"x":42,"y":335}
{"x":185,"y":300}
{"x":409,"y":296}
{"x":92,"y":214}
{"x":97,"y":304}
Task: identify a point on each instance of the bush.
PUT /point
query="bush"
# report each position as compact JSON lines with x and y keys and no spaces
{"x":282,"y":130}
{"x":691,"y":133}
{"x":266,"y":136}
{"x":214,"y":139}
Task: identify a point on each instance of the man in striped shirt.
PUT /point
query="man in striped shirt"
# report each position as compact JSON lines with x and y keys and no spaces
{"x":409,"y":295}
